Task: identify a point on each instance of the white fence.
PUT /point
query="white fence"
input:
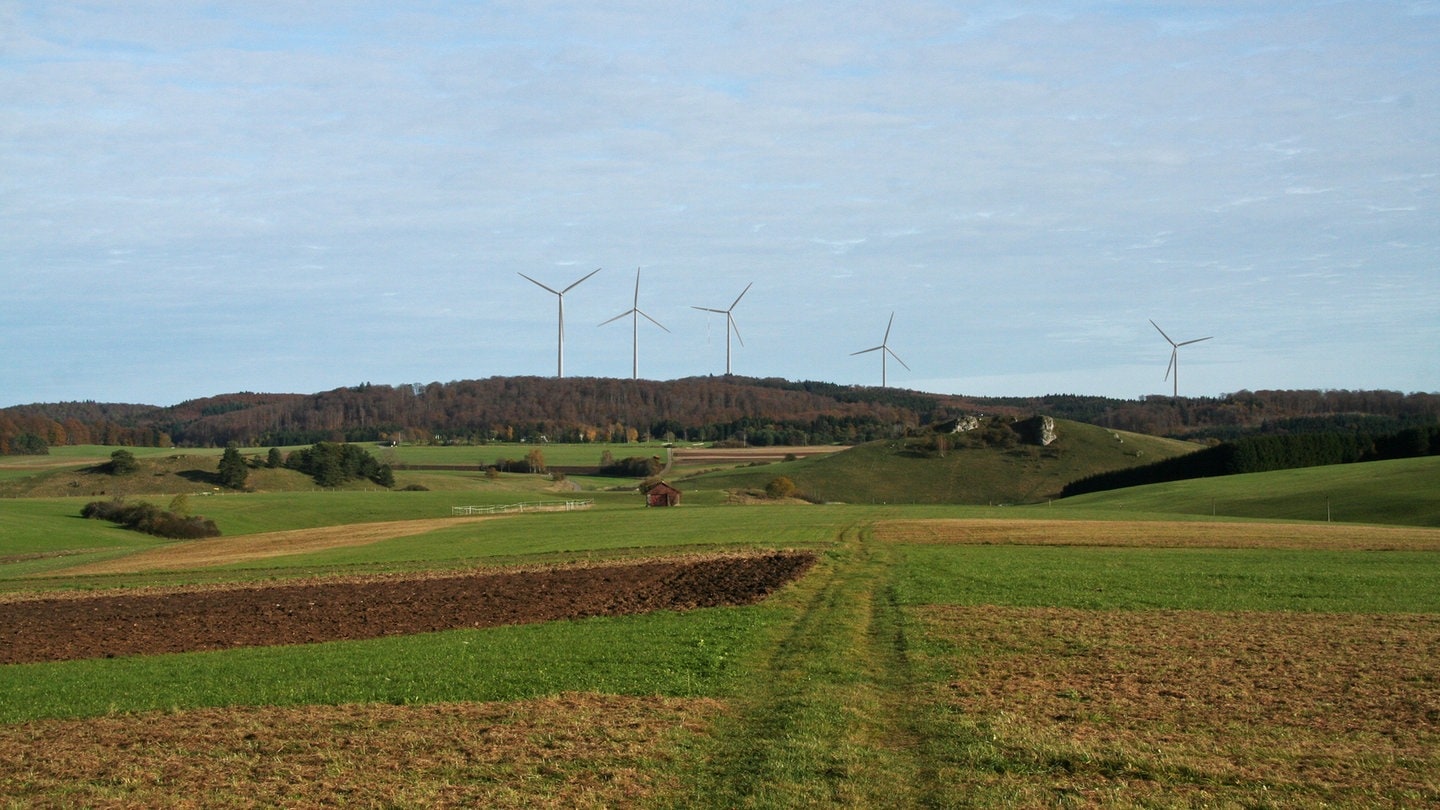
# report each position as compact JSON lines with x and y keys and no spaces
{"x":529,"y":506}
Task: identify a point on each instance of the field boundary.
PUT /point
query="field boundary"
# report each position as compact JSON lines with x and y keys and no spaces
{"x":526,"y":506}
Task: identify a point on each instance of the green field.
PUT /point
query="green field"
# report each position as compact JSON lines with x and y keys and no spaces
{"x":1405,"y":491}
{"x":1208,"y":667}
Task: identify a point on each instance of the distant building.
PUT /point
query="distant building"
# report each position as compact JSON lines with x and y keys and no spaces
{"x":662,"y":494}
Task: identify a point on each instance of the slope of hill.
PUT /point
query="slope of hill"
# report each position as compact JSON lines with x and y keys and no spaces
{"x":910,"y":471}
{"x":1403,"y":491}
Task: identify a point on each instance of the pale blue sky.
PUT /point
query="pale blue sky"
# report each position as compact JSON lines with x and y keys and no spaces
{"x":276,"y":196}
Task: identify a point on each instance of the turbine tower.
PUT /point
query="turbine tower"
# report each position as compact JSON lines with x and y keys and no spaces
{"x":560,"y":296}
{"x":884,"y":349}
{"x":635,"y":314}
{"x":729,"y":323}
{"x":1174,"y":358}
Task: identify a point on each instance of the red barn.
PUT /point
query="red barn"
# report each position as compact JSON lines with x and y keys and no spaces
{"x":662,"y":494}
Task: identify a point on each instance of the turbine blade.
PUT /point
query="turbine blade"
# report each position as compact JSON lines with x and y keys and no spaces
{"x":867,"y":351}
{"x":637,"y":291}
{"x":617,"y":317}
{"x":887,"y":329}
{"x":897,"y":357}
{"x":731,"y":320}
{"x":651,"y":320}
{"x":576,"y":284}
{"x":741,"y":295}
{"x":1171,"y":364}
{"x":1196,"y":340}
{"x":708,"y":309}
{"x":1162,"y":333}
{"x":538,"y":284}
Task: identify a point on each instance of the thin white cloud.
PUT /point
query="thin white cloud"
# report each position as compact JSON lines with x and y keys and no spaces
{"x":992,"y":170}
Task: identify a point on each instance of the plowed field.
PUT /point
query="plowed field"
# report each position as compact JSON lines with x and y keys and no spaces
{"x":117,"y":623}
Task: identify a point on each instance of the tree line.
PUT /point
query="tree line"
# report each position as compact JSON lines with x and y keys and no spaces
{"x":759,"y":412}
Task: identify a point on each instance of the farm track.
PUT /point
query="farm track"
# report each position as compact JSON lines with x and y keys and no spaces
{"x":120,"y":624}
{"x":829,"y":721}
{"x":247,"y":547}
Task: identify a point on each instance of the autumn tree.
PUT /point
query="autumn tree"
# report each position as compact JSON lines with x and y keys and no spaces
{"x":781,"y":487}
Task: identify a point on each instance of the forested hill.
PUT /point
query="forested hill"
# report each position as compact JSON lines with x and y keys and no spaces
{"x":762,"y":411}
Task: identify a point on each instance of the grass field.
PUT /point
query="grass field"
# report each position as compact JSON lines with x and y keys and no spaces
{"x":1088,"y":653}
{"x":1401,"y":491}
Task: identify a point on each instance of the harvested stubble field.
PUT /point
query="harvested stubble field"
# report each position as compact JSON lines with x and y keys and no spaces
{"x":1167,"y":707}
{"x":1152,"y":708}
{"x":567,"y":751}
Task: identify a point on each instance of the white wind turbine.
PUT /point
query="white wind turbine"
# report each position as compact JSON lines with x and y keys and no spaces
{"x":560,"y":296}
{"x":884,"y":349}
{"x":729,"y":323}
{"x":635,"y":313}
{"x":1174,"y":366}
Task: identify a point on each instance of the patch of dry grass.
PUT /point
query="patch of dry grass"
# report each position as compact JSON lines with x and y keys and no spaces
{"x":1316,"y":536}
{"x":1158,"y":708}
{"x":569,"y":751}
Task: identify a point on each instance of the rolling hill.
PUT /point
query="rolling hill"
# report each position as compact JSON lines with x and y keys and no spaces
{"x":910,"y":470}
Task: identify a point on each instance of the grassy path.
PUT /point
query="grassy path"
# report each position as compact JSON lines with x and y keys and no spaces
{"x":827,"y":719}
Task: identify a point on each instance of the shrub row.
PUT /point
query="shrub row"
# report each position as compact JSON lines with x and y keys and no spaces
{"x":151,"y":519}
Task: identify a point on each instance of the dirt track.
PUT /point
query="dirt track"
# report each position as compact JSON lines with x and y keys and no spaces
{"x":70,"y":627}
{"x":245,"y":547}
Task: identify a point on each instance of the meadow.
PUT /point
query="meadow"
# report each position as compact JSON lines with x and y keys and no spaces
{"x":1106,"y":652}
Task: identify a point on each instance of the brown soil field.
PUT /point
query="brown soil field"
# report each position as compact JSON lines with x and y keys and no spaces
{"x":567,"y":751}
{"x":1181,"y":708}
{"x":50,"y":628}
{"x":242,"y":548}
{"x":1328,"y":536}
{"x":745,"y":455}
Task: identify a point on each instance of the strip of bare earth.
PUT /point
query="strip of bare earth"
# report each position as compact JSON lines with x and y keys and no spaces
{"x":180,"y":620}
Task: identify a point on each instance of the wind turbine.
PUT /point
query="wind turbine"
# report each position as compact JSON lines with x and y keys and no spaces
{"x":560,"y":296}
{"x":729,"y":323}
{"x":1174,"y":357}
{"x":635,"y":313}
{"x":884,"y":349}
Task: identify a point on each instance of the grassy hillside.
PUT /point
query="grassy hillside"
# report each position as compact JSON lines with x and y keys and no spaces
{"x":78,"y":471}
{"x":1404,"y":491}
{"x":902,"y":471}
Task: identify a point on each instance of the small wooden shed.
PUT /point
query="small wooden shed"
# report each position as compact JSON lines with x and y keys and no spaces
{"x":662,"y":494}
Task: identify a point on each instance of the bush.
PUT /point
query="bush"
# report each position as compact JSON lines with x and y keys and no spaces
{"x":150,"y":519}
{"x":781,"y":487}
{"x":633,"y":467}
{"x":122,"y":462}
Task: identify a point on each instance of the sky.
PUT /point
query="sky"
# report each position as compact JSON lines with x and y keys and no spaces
{"x":205,"y":198}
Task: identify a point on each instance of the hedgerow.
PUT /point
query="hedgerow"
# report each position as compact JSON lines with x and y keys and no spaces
{"x":151,"y":519}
